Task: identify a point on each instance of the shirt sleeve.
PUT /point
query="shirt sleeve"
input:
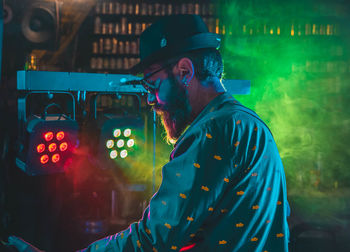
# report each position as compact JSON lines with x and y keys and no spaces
{"x":201,"y":169}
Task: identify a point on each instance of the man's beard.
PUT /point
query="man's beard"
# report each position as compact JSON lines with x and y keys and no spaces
{"x":176,"y":113}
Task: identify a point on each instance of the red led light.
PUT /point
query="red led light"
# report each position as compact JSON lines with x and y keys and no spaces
{"x":63,"y":146}
{"x":40,"y":148}
{"x":44,"y":159}
{"x":48,"y":136}
{"x":60,"y":135}
{"x":56,"y":158}
{"x":52,"y":147}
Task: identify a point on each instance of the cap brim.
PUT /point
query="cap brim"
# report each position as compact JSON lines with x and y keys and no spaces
{"x":198,"y":41}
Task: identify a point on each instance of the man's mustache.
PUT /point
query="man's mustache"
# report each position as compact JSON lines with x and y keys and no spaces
{"x":160,"y":108}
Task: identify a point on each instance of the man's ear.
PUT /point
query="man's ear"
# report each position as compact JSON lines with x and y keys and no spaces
{"x":185,"y":69}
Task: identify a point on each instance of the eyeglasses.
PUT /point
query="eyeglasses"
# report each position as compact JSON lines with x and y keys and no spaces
{"x":151,"y":86}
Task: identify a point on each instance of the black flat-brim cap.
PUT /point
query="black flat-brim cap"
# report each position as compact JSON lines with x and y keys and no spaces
{"x":172,"y":35}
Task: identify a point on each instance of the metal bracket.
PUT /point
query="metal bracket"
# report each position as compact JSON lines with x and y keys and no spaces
{"x":95,"y":82}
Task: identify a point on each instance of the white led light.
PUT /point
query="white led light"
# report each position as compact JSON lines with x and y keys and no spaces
{"x":123,"y":154}
{"x":113,"y":154}
{"x":117,"y":133}
{"x":127,"y":132}
{"x":110,"y":144}
{"x":130,"y":143}
{"x":120,"y":143}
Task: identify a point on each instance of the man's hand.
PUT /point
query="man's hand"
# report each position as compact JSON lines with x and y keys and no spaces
{"x":21,"y":245}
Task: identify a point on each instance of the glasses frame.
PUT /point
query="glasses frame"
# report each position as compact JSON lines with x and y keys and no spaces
{"x":149,"y":86}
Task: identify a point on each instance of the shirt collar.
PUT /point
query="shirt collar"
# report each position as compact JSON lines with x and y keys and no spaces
{"x":213,"y":105}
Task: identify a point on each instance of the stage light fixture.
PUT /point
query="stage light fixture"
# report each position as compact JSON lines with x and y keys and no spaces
{"x":120,"y":137}
{"x":50,"y":142}
{"x":120,"y":129}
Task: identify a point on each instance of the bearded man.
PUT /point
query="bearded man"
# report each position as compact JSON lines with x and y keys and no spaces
{"x":224,"y":188}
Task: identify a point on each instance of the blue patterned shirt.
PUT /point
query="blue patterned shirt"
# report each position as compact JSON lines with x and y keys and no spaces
{"x":224,"y":189}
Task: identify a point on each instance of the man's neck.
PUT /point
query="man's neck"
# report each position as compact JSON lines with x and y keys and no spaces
{"x":202,"y":96}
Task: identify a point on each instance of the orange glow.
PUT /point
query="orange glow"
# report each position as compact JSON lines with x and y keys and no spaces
{"x":40,"y":148}
{"x":217,"y":26}
{"x":55,"y":158}
{"x":52,"y":147}
{"x":48,"y":136}
{"x":60,"y":135}
{"x":63,"y":146}
{"x":44,"y":159}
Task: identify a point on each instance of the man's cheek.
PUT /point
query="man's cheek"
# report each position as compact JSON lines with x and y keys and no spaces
{"x":164,"y":92}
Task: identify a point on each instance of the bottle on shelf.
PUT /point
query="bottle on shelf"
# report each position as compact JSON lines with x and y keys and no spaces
{"x":114,"y":46}
{"x":117,"y":8}
{"x":196,"y":9}
{"x":107,"y":46}
{"x":121,"y":47}
{"x":163,"y":10}
{"x":157,"y":9}
{"x":177,"y":9}
{"x":143,"y":9}
{"x":95,"y":47}
{"x":131,"y":62}
{"x":150,"y":9}
{"x":183,"y":8}
{"x":211,"y":24}
{"x":112,"y":63}
{"x":127,"y":47}
{"x":110,"y":28}
{"x":133,"y":49}
{"x":211,"y":10}
{"x":110,"y":8}
{"x":137,"y":9}
{"x":104,"y":28}
{"x":138,"y":28}
{"x":123,"y":25}
{"x":119,"y":63}
{"x":117,"y":28}
{"x":100,"y":46}
{"x":190,"y":8}
{"x":217,"y":26}
{"x":105,"y":63}
{"x":98,"y":8}
{"x":97,"y":25}
{"x":125,"y":63}
{"x":322,"y":29}
{"x":307,"y":29}
{"x":170,"y":9}
{"x":130,"y":28}
{"x":144,"y":26}
{"x":99,"y":63}
{"x":124,"y":8}
{"x":93,"y":63}
{"x":204,"y":11}
{"x":131,"y":9}
{"x":104,"y":8}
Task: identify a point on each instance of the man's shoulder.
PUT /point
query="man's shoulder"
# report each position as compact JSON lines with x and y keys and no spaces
{"x":230,"y":113}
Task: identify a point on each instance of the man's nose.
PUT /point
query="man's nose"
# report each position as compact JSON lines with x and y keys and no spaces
{"x":151,"y":99}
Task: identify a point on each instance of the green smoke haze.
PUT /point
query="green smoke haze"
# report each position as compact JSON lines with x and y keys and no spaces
{"x":297,"y":59}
